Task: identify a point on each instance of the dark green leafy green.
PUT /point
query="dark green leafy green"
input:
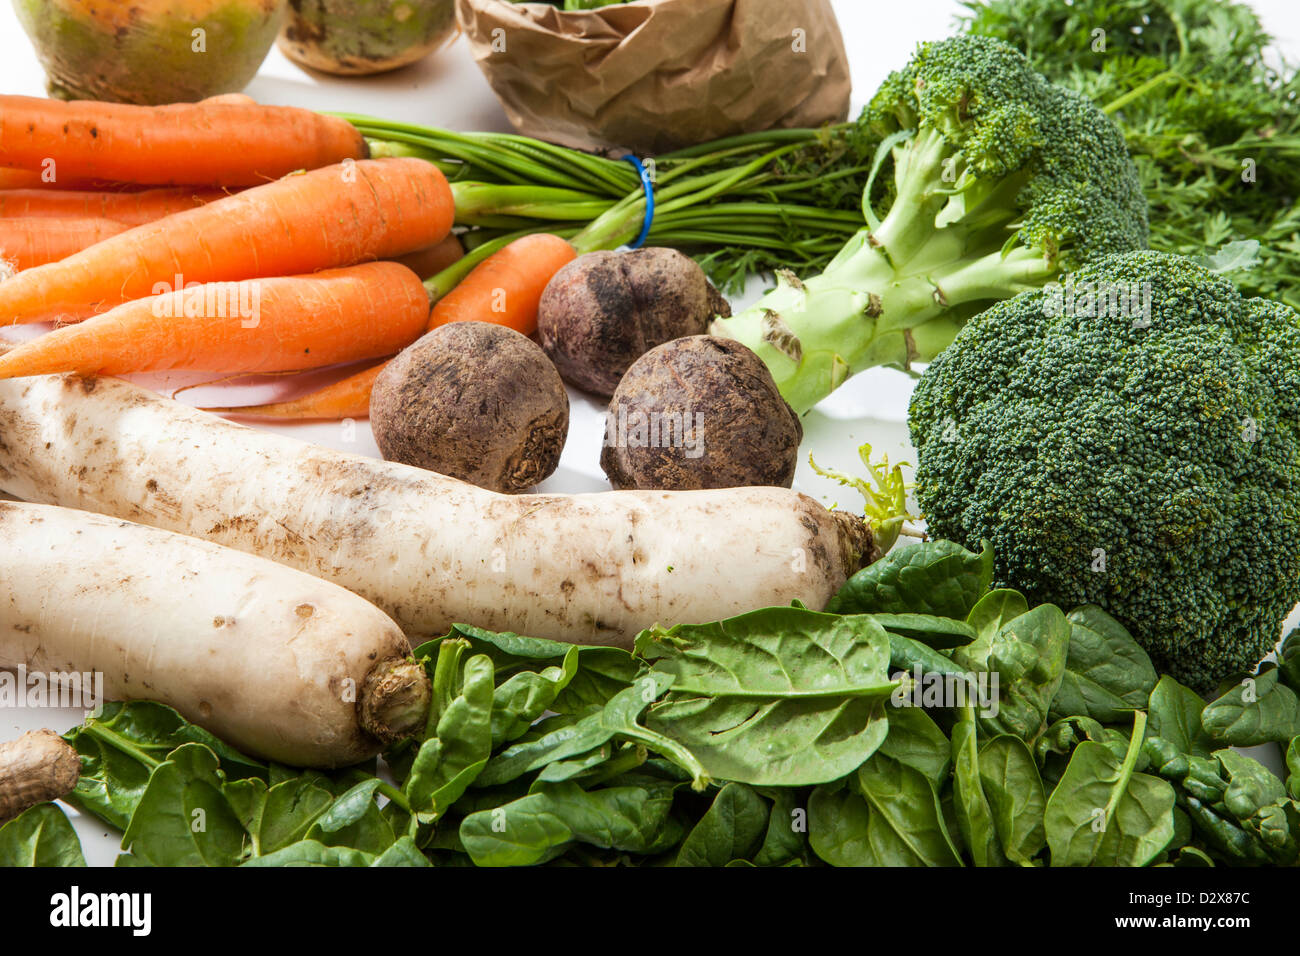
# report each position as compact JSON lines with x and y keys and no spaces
{"x":782,"y":696}
{"x":970,"y":805}
{"x":936,"y":577}
{"x":1107,"y":673}
{"x":40,"y":836}
{"x":1028,"y":654}
{"x":542,"y":825}
{"x":1288,"y":660}
{"x":1104,"y":813}
{"x":887,"y":814}
{"x":1293,"y":768}
{"x":929,"y":629}
{"x":915,"y":739}
{"x":1175,"y":715}
{"x":122,"y":746}
{"x":602,"y":671}
{"x":733,"y":828}
{"x":1015,"y":796}
{"x":1259,"y":710}
{"x":183,"y":818}
{"x":449,"y":761}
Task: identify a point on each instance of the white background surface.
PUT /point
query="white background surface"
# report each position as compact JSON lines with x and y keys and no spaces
{"x":447,"y":90}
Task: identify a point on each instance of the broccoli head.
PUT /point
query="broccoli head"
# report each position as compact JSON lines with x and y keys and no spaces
{"x":1131,"y":439}
{"x":991,"y":181}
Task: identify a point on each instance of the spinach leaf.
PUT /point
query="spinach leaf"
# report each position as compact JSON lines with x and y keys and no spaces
{"x":933,"y":631}
{"x":278,"y":816}
{"x":887,"y":814}
{"x":914,"y":658}
{"x":120,"y":749}
{"x":1175,"y":716}
{"x":1293,"y":768}
{"x":582,"y":766}
{"x":1258,"y":801}
{"x":448,"y":761}
{"x":970,"y":805}
{"x":360,"y":825}
{"x":350,"y":807}
{"x":402,"y":853}
{"x":1107,"y":674}
{"x":786,"y":839}
{"x":40,"y":836}
{"x":731,"y":829}
{"x":1288,"y":660}
{"x":781,"y":696}
{"x":1104,"y":813}
{"x":994,"y":610}
{"x":313,"y":853}
{"x":183,"y":818}
{"x":1015,"y":796}
{"x":155,"y":730}
{"x":602,"y":671}
{"x":1028,"y":654}
{"x":916,"y":740}
{"x":541,"y":826}
{"x":618,"y":718}
{"x":525,"y":696}
{"x":935,"y":577}
{"x":1259,"y":710}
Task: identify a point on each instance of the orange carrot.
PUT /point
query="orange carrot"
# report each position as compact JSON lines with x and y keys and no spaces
{"x":258,"y":325}
{"x":347,"y":398}
{"x":27,"y":243}
{"x":337,"y":216}
{"x":30,"y":179}
{"x":19,"y":179}
{"x":512,"y":277}
{"x":221,"y":143}
{"x":134,"y":209}
{"x":242,"y":99}
{"x":506,"y":287}
{"x":433,"y":259}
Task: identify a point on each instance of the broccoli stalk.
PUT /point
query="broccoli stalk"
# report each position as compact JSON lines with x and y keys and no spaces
{"x":1000,"y":182}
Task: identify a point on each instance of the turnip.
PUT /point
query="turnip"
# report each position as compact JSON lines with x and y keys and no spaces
{"x":281,"y":664}
{"x":429,"y":550}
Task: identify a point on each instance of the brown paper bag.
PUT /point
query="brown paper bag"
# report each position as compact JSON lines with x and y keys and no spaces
{"x":657,"y":75}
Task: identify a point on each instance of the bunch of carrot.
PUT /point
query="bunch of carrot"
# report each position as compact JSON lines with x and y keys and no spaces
{"x":233,"y":238}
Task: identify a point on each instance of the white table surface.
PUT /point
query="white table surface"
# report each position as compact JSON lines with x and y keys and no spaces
{"x":447,"y":90}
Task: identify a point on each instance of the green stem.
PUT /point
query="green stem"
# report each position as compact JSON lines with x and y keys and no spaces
{"x":118,"y":742}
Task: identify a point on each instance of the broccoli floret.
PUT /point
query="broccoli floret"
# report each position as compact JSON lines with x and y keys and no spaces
{"x":1130,"y":439}
{"x":1000,"y":181}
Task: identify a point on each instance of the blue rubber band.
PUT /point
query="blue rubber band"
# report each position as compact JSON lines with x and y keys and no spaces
{"x":649,"y":187}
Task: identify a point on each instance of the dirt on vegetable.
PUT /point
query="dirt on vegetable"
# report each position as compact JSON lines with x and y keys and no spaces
{"x":605,"y":310}
{"x":475,"y":401}
{"x":699,"y":412}
{"x":35,"y":768}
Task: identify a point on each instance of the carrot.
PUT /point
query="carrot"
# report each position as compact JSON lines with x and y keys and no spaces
{"x":222,"y":143}
{"x":347,"y":398}
{"x":512,"y":277}
{"x":134,"y":209}
{"x":338,"y":216}
{"x":433,"y":259}
{"x":19,"y":179}
{"x":27,"y":243}
{"x":506,"y":287}
{"x":258,"y":325}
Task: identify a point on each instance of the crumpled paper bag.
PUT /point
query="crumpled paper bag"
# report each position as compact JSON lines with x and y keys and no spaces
{"x":658,"y":75}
